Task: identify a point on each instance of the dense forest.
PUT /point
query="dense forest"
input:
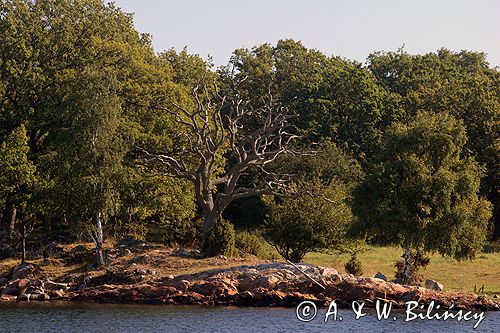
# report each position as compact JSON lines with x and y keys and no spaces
{"x":101,"y":137}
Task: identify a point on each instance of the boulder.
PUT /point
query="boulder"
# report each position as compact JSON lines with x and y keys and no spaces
{"x":23,"y":271}
{"x":209,"y":288}
{"x":8,"y":298}
{"x":24,"y":297}
{"x":15,"y":287}
{"x":40,"y":297}
{"x":11,"y":290}
{"x":250,"y":283}
{"x":327,"y":272}
{"x":182,"y":285}
{"x":380,"y":276}
{"x":433,"y":285}
{"x":33,"y":290}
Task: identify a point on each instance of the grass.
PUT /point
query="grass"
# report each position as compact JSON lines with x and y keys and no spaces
{"x":464,"y":275}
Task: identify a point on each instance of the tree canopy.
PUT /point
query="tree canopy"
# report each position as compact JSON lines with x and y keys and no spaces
{"x":101,"y":136}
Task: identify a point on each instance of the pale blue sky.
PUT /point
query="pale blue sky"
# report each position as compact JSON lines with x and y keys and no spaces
{"x":351,"y":29}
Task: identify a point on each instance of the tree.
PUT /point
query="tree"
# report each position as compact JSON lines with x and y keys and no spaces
{"x":298,"y":225}
{"x":89,"y":152}
{"x":213,"y":128}
{"x":461,"y":83}
{"x":17,"y":177}
{"x":423,"y":194}
{"x":334,"y":98}
{"x":50,"y":47}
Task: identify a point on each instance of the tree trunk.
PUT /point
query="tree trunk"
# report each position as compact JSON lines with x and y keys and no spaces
{"x":407,"y":265}
{"x":23,"y":259}
{"x":98,"y":241}
{"x":209,"y":220}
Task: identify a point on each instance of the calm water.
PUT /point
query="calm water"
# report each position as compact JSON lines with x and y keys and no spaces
{"x":53,"y":317}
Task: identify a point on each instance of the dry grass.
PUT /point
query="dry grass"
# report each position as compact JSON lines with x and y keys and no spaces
{"x":161,"y":260}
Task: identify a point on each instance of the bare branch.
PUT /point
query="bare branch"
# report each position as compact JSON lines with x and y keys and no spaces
{"x":218,"y":122}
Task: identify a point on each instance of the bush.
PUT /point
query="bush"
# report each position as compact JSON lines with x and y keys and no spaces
{"x":220,"y":239}
{"x":353,"y":266}
{"x":296,"y":226}
{"x":249,"y":243}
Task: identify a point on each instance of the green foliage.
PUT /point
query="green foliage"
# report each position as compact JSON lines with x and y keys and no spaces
{"x":220,"y":239}
{"x":353,"y":266}
{"x":424,"y":192}
{"x":17,"y":172}
{"x":296,"y":226}
{"x":83,"y":82}
{"x":333,"y":98}
{"x":329,"y":165}
{"x":175,"y":232}
{"x":317,"y":221}
{"x":460,"y":83}
{"x":249,"y":243}
{"x":88,"y":149}
{"x":79,"y":88}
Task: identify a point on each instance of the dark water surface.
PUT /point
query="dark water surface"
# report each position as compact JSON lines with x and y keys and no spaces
{"x":69,"y":317}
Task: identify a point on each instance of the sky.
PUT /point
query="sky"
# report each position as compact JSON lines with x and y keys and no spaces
{"x":351,"y":29}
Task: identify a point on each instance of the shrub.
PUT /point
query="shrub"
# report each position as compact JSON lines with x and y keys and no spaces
{"x":220,"y":239}
{"x":296,"y":226}
{"x":249,"y":242}
{"x":353,"y":266}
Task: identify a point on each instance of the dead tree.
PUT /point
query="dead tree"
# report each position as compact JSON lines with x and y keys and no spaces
{"x":211,"y":130}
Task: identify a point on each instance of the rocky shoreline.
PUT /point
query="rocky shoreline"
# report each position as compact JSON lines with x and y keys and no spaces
{"x":267,"y":284}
